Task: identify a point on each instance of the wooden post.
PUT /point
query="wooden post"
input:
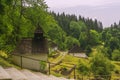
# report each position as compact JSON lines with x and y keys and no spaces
{"x":82,"y":77}
{"x":89,"y":76}
{"x":49,"y":67}
{"x":74,"y":72}
{"x":21,"y":62}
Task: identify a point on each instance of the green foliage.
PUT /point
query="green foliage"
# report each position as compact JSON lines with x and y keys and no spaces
{"x":19,"y":21}
{"x":7,"y":27}
{"x":79,"y":31}
{"x":34,"y":15}
{"x":3,"y":54}
{"x":5,"y":63}
{"x":88,"y":50}
{"x":114,"y":43}
{"x":83,"y":40}
{"x":64,"y":21}
{"x":57,"y":35}
{"x":94,"y":37}
{"x":111,"y":37}
{"x":83,"y":68}
{"x":100,"y":65}
{"x":71,"y":41}
{"x":84,"y":30}
{"x":75,"y":29}
{"x":116,"y":55}
{"x":5,"y":60}
{"x":83,"y":27}
{"x":43,"y":65}
{"x":106,"y":51}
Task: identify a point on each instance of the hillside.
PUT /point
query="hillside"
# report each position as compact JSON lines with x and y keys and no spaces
{"x":69,"y":62}
{"x":20,"y":21}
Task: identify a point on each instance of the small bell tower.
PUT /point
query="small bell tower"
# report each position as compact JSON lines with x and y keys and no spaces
{"x":39,"y":43}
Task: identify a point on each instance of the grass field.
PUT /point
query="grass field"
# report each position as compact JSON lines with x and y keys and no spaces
{"x":68,"y":61}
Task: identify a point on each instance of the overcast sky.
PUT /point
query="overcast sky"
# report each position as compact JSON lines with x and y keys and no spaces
{"x":99,"y":9}
{"x":71,"y":3}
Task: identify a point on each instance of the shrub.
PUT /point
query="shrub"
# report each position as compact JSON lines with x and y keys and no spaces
{"x":116,"y":55}
{"x":88,"y":50}
{"x":83,"y":68}
{"x":100,"y":65}
{"x":43,"y":65}
{"x":3,"y":54}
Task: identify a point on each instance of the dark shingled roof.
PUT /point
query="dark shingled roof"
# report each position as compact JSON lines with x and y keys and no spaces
{"x":39,"y":30}
{"x":75,"y":49}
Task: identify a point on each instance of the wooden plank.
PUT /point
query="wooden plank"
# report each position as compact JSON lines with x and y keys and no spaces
{"x":16,"y":74}
{"x":4,"y":75}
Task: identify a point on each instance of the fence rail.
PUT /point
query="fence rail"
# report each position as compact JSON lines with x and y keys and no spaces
{"x":30,"y":63}
{"x":34,"y":64}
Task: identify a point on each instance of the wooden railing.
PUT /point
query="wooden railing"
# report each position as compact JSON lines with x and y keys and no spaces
{"x":72,"y":70}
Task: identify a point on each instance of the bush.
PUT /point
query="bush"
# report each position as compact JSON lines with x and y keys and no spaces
{"x":116,"y":55}
{"x":5,"y":60}
{"x":100,"y":65}
{"x":83,"y":68}
{"x":43,"y":65}
{"x":3,"y":54}
{"x":88,"y":50}
{"x":106,"y":51}
{"x":5,"y":63}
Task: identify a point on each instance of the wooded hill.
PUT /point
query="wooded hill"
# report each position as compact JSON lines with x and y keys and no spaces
{"x":20,"y":18}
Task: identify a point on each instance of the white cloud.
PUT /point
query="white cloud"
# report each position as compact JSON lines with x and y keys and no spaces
{"x":106,"y":11}
{"x":71,"y":3}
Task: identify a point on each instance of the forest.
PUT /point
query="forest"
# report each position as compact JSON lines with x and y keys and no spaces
{"x":89,"y":33}
{"x":20,"y":18}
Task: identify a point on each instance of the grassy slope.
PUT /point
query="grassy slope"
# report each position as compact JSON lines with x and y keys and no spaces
{"x":55,"y":60}
{"x":69,"y":61}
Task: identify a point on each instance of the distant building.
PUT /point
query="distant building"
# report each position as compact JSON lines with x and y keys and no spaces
{"x":35,"y":45}
{"x":75,"y":49}
{"x":31,"y":51}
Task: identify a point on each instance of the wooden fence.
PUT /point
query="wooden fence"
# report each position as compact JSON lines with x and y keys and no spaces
{"x":34,"y":64}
